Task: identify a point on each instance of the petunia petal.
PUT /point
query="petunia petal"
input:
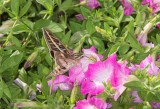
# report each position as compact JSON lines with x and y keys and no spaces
{"x":60,"y":81}
{"x":92,"y":88}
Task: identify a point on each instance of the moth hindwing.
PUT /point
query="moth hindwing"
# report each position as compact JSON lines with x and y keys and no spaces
{"x":63,"y":57}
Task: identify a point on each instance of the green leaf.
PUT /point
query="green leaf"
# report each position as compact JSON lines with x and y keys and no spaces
{"x":25,"y":8}
{"x":43,"y":70}
{"x":123,"y":49}
{"x":15,"y":7}
{"x":66,"y":5}
{"x":48,"y":4}
{"x":110,"y":21}
{"x":139,"y":19}
{"x":1,"y":89}
{"x":90,"y":26}
{"x":133,"y":42}
{"x":157,"y":85}
{"x":158,"y":38}
{"x":137,"y":85}
{"x":97,"y":42}
{"x":48,"y":59}
{"x":40,"y":24}
{"x":6,"y":90}
{"x":55,"y":27}
{"x":19,"y":28}
{"x":114,"y":49}
{"x":85,"y":12}
{"x":77,"y":36}
{"x":66,"y":38}
{"x":75,"y":26}
{"x":46,"y":89}
{"x":11,"y":61}
{"x":16,"y":41}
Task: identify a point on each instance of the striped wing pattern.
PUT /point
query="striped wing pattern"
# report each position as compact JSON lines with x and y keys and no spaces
{"x":54,"y":43}
{"x":63,"y":57}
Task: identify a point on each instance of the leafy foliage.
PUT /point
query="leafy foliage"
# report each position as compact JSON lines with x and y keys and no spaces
{"x":24,"y":54}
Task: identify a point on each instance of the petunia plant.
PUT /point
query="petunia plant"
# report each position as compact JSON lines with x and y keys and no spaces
{"x":117,"y":41}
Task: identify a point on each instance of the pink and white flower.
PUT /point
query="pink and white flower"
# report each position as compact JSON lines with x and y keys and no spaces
{"x":92,"y":103}
{"x":77,"y":73}
{"x":97,"y":74}
{"x":62,"y":82}
{"x":119,"y":77}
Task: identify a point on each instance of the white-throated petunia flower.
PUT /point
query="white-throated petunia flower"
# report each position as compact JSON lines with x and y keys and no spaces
{"x":97,"y":74}
{"x":90,"y":56}
{"x":92,"y":103}
{"x":62,"y":82}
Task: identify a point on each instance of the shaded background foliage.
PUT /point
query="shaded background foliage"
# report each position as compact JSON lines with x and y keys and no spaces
{"x":24,"y":55}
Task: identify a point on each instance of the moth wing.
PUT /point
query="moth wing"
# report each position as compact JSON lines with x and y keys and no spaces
{"x":64,"y":63}
{"x":53,"y":43}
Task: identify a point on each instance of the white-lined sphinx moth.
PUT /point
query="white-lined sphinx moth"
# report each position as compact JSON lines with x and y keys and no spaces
{"x":63,"y":57}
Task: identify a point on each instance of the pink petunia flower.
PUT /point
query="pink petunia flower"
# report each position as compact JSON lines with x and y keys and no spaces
{"x":76,"y":74}
{"x":97,"y":74}
{"x":142,"y":38}
{"x":128,"y":9}
{"x":79,"y":17}
{"x":62,"y":82}
{"x":90,"y":56}
{"x":119,"y":77}
{"x":92,"y":4}
{"x":136,"y":99}
{"x":156,"y":105}
{"x":153,"y":4}
{"x":158,"y":26}
{"x":92,"y":103}
{"x":148,"y":61}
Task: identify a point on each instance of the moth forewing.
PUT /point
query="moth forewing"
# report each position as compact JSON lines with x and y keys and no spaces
{"x":53,"y":43}
{"x":63,"y":57}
